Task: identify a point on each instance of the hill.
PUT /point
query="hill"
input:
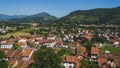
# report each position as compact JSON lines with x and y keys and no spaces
{"x":6,"y":17}
{"x":40,"y":17}
{"x":93,"y":16}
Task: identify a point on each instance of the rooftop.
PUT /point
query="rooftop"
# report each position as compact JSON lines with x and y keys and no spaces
{"x":27,"y":52}
{"x":94,"y":50}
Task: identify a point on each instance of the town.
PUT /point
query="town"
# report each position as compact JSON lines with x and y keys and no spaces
{"x":59,"y":33}
{"x":77,"y":47}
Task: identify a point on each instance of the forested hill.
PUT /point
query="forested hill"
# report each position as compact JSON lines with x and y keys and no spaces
{"x":39,"y":17}
{"x":93,"y":16}
{"x":6,"y":17}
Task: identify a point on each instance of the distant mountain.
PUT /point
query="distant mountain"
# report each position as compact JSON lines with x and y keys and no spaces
{"x":18,"y":16}
{"x":40,"y":17}
{"x":6,"y":17}
{"x":3,"y":17}
{"x":93,"y":16}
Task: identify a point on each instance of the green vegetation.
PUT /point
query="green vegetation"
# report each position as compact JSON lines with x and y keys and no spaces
{"x":15,"y":34}
{"x":46,"y":58}
{"x":26,"y":30}
{"x":65,"y":52}
{"x":15,"y":45}
{"x":97,"y":38}
{"x":2,"y":55}
{"x":22,"y":32}
{"x":88,"y":64}
{"x":94,"y":16}
{"x":110,"y":48}
{"x":5,"y":17}
{"x":11,"y":36}
{"x":40,"y":17}
{"x":44,"y":32}
{"x":3,"y":63}
{"x":88,"y":45}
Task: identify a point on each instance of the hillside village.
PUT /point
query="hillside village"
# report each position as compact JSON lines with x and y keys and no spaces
{"x":59,"y":33}
{"x":83,"y":45}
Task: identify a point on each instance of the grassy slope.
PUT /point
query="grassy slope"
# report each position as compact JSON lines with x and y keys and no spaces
{"x":110,"y":48}
{"x":23,"y":32}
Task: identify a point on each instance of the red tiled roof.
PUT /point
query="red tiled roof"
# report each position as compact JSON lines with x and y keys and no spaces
{"x":25,"y":65}
{"x":72,"y":59}
{"x":102,"y":61}
{"x":74,"y":43}
{"x":94,"y":50}
{"x":112,"y":40}
{"x":112,"y":55}
{"x":102,"y":53}
{"x":12,"y":62}
{"x":27,"y":52}
{"x":22,"y":43}
{"x":8,"y":52}
{"x":42,"y":41}
{"x":6,"y":42}
{"x":49,"y":41}
{"x":40,"y":38}
{"x":59,"y":42}
{"x":88,"y":36}
{"x":81,"y":50}
{"x":17,"y":54}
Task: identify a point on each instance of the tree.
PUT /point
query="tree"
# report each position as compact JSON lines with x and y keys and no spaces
{"x":88,"y":64}
{"x":100,"y":39}
{"x":11,"y":36}
{"x":46,"y":58}
{"x":88,"y":45}
{"x":2,"y":55}
{"x":65,"y":52}
{"x":32,"y":32}
{"x":15,"y":45}
{"x":3,"y":63}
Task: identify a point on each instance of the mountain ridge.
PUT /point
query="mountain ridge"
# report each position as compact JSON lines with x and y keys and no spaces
{"x":39,"y":17}
{"x":92,"y":16}
{"x":5,"y":16}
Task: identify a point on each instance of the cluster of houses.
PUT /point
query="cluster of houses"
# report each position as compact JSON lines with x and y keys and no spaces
{"x":2,"y":30}
{"x":6,"y":29}
{"x":110,"y":36}
{"x":20,"y":57}
{"x":103,"y":59}
{"x":23,"y":56}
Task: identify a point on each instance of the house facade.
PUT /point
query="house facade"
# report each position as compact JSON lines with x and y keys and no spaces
{"x":22,"y":43}
{"x":26,"y":55}
{"x":50,"y":43}
{"x":71,"y":61}
{"x":94,"y":54}
{"x":6,"y":44}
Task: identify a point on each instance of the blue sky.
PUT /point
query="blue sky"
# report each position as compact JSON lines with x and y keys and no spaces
{"x":57,"y":8}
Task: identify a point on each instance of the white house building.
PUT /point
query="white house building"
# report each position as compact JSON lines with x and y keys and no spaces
{"x":94,"y":54}
{"x":50,"y":43}
{"x":71,"y":61}
{"x":22,"y":43}
{"x":6,"y":44}
{"x":51,"y":37}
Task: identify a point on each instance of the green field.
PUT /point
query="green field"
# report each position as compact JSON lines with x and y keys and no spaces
{"x":111,"y":48}
{"x":23,"y":32}
{"x":15,"y":34}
